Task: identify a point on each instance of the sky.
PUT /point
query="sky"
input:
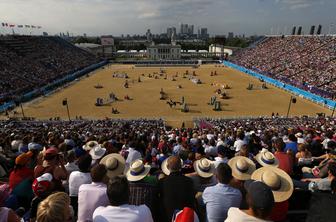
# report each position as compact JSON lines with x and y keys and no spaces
{"x":116,"y":17}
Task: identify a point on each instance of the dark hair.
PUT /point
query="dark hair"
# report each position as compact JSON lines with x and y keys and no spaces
{"x":224,"y":173}
{"x":333,"y":186}
{"x":118,"y":190}
{"x":84,"y":163}
{"x":258,"y":212}
{"x":292,"y":138}
{"x":241,"y":135}
{"x":98,"y":173}
{"x":279,"y":144}
{"x":332,"y":168}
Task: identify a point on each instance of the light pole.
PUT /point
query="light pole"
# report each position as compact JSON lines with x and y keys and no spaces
{"x":65,"y":103}
{"x":292,"y":100}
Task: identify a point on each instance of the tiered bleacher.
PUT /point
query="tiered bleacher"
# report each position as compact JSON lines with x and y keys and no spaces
{"x":30,"y":62}
{"x":278,"y":169}
{"x":307,"y":62}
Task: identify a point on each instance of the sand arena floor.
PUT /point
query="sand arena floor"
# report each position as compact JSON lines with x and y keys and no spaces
{"x":145,"y":96}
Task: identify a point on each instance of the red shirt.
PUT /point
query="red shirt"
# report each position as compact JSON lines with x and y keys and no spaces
{"x":279,"y":211}
{"x":17,"y":176}
{"x":285,"y":162}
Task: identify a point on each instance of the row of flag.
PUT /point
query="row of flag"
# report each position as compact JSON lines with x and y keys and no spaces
{"x":20,"y":26}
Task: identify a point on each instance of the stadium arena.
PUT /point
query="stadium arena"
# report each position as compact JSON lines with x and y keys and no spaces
{"x":167,"y":134}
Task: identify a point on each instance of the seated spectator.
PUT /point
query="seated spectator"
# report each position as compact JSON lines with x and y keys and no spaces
{"x":175,"y":189}
{"x":6,"y":214}
{"x":260,"y":202}
{"x":303,"y":156}
{"x":285,"y":161}
{"x":120,"y":210}
{"x":222,"y":156}
{"x":94,"y":192}
{"x":292,"y":144}
{"x":219,"y":198}
{"x":282,"y":188}
{"x":143,"y":187}
{"x":77,"y":178}
{"x":114,"y":163}
{"x":55,"y":208}
{"x":203,"y":176}
{"x":266,"y":158}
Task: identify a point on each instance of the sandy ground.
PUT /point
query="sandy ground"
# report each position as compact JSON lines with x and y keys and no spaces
{"x":81,"y":96}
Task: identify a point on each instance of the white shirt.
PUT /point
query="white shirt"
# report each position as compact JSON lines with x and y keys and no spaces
{"x":132,"y":155}
{"x":91,"y":196}
{"x":70,"y":167}
{"x":219,"y":160}
{"x":76,"y":179}
{"x":236,"y":215}
{"x":238,"y":144}
{"x":123,"y":213}
{"x":210,"y":150}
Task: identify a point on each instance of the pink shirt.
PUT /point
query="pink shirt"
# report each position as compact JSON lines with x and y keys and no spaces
{"x":285,"y":162}
{"x":90,"y":197}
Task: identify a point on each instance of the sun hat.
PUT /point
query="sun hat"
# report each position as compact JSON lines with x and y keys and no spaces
{"x":266,"y":158}
{"x":164,"y":166}
{"x":114,"y":163}
{"x":90,"y":145}
{"x":23,"y":158}
{"x":204,"y":168}
{"x":278,"y":180}
{"x":242,"y":167}
{"x":137,"y":170}
{"x":42,"y":184}
{"x":260,"y":194}
{"x":97,"y":152}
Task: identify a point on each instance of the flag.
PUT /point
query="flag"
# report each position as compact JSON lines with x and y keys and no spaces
{"x":20,"y":26}
{"x":11,"y":25}
{"x":27,"y":26}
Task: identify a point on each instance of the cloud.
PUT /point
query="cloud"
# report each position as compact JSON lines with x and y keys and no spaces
{"x":299,"y":4}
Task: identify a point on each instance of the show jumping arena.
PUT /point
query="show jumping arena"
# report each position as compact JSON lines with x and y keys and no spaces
{"x":144,"y":96}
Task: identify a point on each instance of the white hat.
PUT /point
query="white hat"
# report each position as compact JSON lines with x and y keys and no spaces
{"x":242,"y":167}
{"x":137,"y":171}
{"x":90,"y":145}
{"x":266,"y":158}
{"x":204,"y":167}
{"x":278,"y":180}
{"x":114,"y":163}
{"x":97,"y":152}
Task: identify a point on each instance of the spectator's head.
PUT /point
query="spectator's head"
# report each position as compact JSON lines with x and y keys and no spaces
{"x":259,"y":198}
{"x":241,"y":135}
{"x":223,"y":151}
{"x":332,"y":169}
{"x":224,"y":173}
{"x":23,"y":159}
{"x":98,"y":173}
{"x":292,"y":138}
{"x":55,"y":208}
{"x":174,"y":164}
{"x":84,"y":163}
{"x":279,"y":145}
{"x":118,"y":190}
{"x":71,"y":156}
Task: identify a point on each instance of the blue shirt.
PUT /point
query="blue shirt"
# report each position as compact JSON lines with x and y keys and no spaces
{"x":218,"y":199}
{"x":291,"y":146}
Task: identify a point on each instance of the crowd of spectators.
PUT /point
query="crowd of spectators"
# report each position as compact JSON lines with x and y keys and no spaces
{"x":30,"y":62}
{"x":308,"y":62}
{"x":141,"y":170}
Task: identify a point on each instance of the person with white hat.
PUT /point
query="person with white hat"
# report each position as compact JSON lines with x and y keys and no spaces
{"x":219,"y":198}
{"x":204,"y":174}
{"x":266,"y":158}
{"x":90,"y":145}
{"x":114,"y":163}
{"x":175,"y":189}
{"x":97,"y":153}
{"x":282,"y":188}
{"x":143,"y":187}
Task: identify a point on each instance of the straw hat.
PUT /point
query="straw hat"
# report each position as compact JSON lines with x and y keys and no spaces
{"x":278,"y":180}
{"x":97,"y":152}
{"x":266,"y":158}
{"x":242,"y":167}
{"x":164,"y":167}
{"x":204,"y":168}
{"x":90,"y":145}
{"x":114,"y":163}
{"x":137,"y":171}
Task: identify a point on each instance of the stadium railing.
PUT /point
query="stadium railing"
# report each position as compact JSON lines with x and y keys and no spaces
{"x":292,"y":89}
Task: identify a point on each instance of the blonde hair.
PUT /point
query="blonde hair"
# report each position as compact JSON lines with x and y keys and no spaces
{"x":55,"y":208}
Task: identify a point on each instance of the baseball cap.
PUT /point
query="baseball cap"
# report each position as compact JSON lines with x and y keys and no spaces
{"x":261,"y":195}
{"x":41,"y":184}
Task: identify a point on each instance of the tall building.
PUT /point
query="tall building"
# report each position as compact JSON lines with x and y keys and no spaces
{"x":230,"y":35}
{"x":148,"y":35}
{"x":171,"y":31}
{"x":203,"y":33}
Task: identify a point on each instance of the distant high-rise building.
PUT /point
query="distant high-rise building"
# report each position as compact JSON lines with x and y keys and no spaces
{"x":294,"y":30}
{"x":84,"y":35}
{"x":171,"y":31}
{"x":186,"y":29}
{"x":319,"y":30}
{"x":299,"y":32}
{"x":312,"y":30}
{"x":230,"y":35}
{"x":203,"y":33}
{"x":148,"y":35}
{"x":190,"y":29}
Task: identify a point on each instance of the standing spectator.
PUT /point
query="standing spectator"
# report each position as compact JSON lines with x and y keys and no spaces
{"x":285,"y":161}
{"x":292,"y":144}
{"x":120,"y":210}
{"x":219,"y":198}
{"x":239,"y":142}
{"x":91,"y":196}
{"x":175,"y":189}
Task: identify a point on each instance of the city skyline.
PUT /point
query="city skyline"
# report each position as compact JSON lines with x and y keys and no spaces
{"x":116,"y":17}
